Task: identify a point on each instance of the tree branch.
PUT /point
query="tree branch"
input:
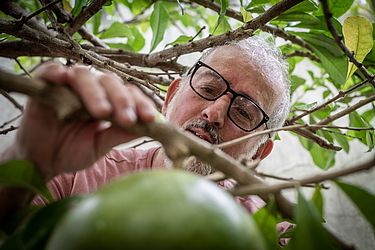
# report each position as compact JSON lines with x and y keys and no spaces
{"x":11,"y":99}
{"x":240,"y":33}
{"x":7,"y":130}
{"x":14,"y":49}
{"x":267,"y":28}
{"x":309,"y":55}
{"x":338,"y":40}
{"x":347,"y":110}
{"x":340,"y":95}
{"x":24,"y":19}
{"x":85,"y":15}
{"x":257,"y":189}
{"x":300,"y":129}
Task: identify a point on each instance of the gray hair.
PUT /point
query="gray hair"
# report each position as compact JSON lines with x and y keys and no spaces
{"x":268,"y":58}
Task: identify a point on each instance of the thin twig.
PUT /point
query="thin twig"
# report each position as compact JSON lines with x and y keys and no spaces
{"x":346,"y":111}
{"x":280,"y":178}
{"x":196,"y":35}
{"x":255,"y":189}
{"x":85,"y":15}
{"x":25,"y":19}
{"x":7,"y":130}
{"x":11,"y":99}
{"x":23,"y":69}
{"x":340,"y":95}
{"x":142,"y":143}
{"x":304,"y":54}
{"x":10,"y":121}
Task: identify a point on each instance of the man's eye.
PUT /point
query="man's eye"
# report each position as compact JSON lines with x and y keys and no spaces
{"x":244,"y":113}
{"x":208,"y":90}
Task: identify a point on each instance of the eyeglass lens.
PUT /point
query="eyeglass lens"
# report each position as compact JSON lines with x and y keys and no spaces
{"x":210,"y":86}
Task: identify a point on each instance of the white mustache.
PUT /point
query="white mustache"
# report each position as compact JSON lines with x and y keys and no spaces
{"x":207,"y":127}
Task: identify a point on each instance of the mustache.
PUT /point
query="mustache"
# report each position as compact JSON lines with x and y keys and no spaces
{"x":207,"y":127}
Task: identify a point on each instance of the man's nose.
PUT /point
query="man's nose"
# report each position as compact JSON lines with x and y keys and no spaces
{"x":216,"y":111}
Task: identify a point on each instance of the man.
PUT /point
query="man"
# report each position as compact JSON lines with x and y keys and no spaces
{"x":232,"y":91}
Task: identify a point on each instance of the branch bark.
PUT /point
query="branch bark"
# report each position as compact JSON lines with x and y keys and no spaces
{"x":85,"y":15}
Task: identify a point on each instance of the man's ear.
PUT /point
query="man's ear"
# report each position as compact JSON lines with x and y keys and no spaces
{"x":264,"y":150}
{"x":172,"y":89}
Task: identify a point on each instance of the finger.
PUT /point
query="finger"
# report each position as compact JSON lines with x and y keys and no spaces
{"x":91,"y":92}
{"x":120,"y":97}
{"x":52,"y":72}
{"x":145,"y":108}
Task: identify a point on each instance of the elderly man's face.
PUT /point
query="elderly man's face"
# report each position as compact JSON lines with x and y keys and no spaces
{"x":208,"y":119}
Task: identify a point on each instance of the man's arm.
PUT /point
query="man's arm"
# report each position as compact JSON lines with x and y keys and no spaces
{"x":56,"y":147}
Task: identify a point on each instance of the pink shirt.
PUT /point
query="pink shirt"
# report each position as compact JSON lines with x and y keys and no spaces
{"x":114,"y":164}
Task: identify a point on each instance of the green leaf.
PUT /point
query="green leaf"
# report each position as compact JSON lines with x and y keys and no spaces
{"x":122,"y":46}
{"x":220,"y":20}
{"x":180,"y":40}
{"x":267,"y":224}
{"x":296,"y":81}
{"x":117,"y":29}
{"x":333,"y":59}
{"x":96,"y":21}
{"x":159,"y":23}
{"x":258,"y":2}
{"x":322,"y":157}
{"x":364,"y":200}
{"x":136,"y":40}
{"x":335,"y":66}
{"x":321,"y":40}
{"x":304,"y":106}
{"x":39,"y":228}
{"x":298,"y":17}
{"x":303,"y":7}
{"x":78,"y":5}
{"x":246,"y":15}
{"x":221,"y":27}
{"x":342,"y":140}
{"x":365,"y":136}
{"x":317,"y":200}
{"x":321,"y":25}
{"x":307,"y":144}
{"x":309,"y":233}
{"x":20,"y":173}
{"x":357,"y":33}
{"x":369,"y":115}
{"x":336,"y":7}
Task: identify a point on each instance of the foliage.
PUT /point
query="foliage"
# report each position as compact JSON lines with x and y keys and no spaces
{"x":147,"y":26}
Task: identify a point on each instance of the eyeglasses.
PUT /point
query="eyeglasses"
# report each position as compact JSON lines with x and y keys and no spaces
{"x":244,"y":112}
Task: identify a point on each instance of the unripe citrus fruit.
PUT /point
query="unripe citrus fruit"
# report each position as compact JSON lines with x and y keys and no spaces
{"x":158,"y":210}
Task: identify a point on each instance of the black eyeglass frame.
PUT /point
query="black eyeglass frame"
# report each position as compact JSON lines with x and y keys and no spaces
{"x":199,"y":64}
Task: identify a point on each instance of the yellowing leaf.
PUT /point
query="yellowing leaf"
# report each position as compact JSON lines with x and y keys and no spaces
{"x":246,"y":16}
{"x":67,"y":6}
{"x":358,"y":38}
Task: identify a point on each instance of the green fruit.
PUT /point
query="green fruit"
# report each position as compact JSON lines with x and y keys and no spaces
{"x":158,"y":210}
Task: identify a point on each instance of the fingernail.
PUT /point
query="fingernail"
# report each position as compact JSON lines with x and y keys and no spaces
{"x":129,"y":112}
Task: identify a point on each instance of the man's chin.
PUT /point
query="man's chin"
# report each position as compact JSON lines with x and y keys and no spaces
{"x":194,"y":166}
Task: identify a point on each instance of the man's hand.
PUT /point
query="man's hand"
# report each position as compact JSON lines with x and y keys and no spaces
{"x":56,"y":146}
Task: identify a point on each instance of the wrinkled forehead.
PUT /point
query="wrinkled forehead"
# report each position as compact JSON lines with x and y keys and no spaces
{"x":244,"y":75}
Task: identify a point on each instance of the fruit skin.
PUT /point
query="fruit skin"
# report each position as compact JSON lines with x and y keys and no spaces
{"x":158,"y":210}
